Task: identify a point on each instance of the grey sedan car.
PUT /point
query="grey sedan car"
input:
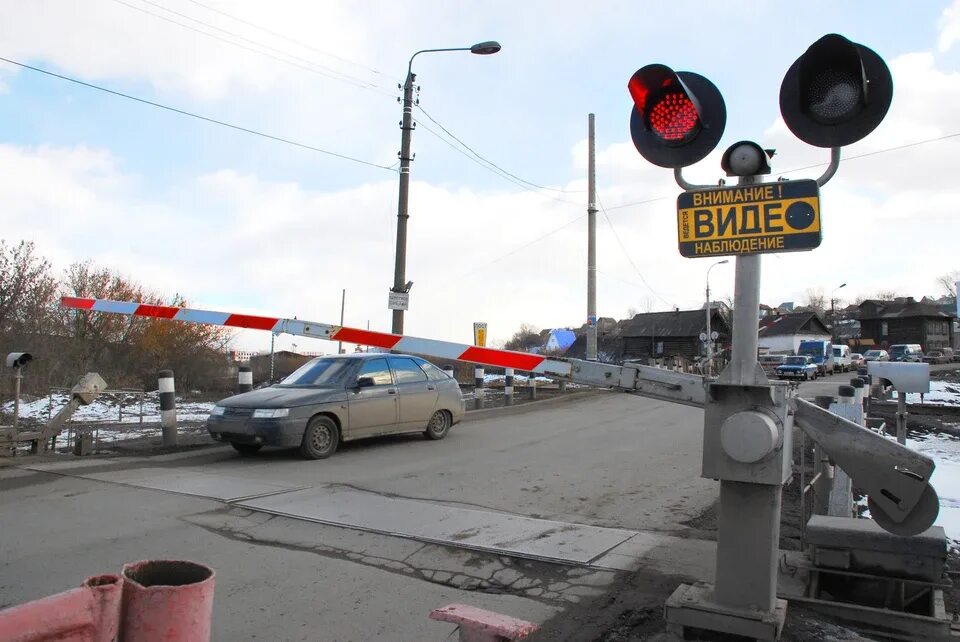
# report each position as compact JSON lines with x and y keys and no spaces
{"x":341,"y":398}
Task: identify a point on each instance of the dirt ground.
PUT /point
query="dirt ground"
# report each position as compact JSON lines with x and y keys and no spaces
{"x":632,"y":608}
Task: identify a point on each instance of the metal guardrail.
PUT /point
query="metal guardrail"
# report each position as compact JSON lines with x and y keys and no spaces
{"x":139,"y":392}
{"x":73,"y":425}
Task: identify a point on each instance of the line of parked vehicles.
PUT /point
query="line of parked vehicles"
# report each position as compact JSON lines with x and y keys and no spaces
{"x":818,"y":358}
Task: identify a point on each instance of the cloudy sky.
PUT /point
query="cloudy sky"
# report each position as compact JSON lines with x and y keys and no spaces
{"x":241,"y":223}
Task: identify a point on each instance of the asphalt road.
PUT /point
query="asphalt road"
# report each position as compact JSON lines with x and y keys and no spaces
{"x":611,"y":460}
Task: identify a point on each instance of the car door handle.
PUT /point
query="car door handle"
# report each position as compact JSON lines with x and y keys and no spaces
{"x":392,"y":391}
{"x":431,"y":387}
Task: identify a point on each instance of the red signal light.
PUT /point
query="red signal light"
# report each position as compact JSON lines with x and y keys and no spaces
{"x":677,"y":117}
{"x":674,"y":118}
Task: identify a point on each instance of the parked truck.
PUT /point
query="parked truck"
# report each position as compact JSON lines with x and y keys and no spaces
{"x":821,"y":350}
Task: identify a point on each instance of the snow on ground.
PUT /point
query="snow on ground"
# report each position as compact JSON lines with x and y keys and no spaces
{"x":942,"y":393}
{"x":945,"y":451}
{"x":117,"y":414}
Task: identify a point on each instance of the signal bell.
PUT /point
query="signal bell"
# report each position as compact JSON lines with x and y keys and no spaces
{"x":836,"y":93}
{"x":677,"y":117}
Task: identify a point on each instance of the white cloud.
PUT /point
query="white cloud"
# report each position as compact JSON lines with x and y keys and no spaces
{"x":949,"y":27}
{"x":237,"y":241}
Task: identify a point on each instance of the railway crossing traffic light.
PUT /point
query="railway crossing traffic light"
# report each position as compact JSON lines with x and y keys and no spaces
{"x":836,"y":93}
{"x":678,"y":116}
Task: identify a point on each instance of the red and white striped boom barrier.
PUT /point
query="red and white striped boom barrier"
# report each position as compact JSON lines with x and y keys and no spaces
{"x":643,"y":380}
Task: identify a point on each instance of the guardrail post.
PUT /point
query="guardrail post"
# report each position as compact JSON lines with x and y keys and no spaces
{"x":168,"y":407}
{"x":508,"y":386}
{"x":478,"y":387}
{"x":532,"y":383}
{"x":244,"y":379}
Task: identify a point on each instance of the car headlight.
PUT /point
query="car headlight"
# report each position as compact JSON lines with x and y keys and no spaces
{"x":217,"y":411}
{"x":270,"y":413}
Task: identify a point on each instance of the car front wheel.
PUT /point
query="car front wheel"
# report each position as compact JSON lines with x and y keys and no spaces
{"x":320,"y":439}
{"x":439,"y":425}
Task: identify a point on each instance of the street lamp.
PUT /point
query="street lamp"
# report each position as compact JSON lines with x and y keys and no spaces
{"x":709,"y":336}
{"x":833,"y":315}
{"x":406,"y":126}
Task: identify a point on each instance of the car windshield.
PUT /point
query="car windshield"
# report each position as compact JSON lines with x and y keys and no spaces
{"x":873,"y":353}
{"x":897,"y":349}
{"x":321,"y":372}
{"x":795,"y":361}
{"x":837,"y":352}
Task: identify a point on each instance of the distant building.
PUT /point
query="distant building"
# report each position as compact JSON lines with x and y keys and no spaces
{"x":905,"y":320}
{"x":672,"y":334}
{"x":559,"y":340}
{"x":242,"y":356}
{"x":782,"y":334}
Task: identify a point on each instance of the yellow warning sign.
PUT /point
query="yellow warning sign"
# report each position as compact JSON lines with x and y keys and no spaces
{"x":751,"y":219}
{"x":480,"y":334}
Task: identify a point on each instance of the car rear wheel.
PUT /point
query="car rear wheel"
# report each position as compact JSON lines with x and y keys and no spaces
{"x":320,"y":439}
{"x":246,"y":449}
{"x":439,"y":425}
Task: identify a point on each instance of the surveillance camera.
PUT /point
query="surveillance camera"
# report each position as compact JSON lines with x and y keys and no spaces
{"x":18,"y":359}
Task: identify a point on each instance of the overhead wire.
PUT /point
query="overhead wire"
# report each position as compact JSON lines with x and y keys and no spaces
{"x":491,"y":163}
{"x":876,"y":152}
{"x":309,"y":66}
{"x":499,"y":258}
{"x":207,"y":119}
{"x":814,"y":166}
{"x":518,"y":183}
{"x":285,"y":37}
{"x":623,"y":248}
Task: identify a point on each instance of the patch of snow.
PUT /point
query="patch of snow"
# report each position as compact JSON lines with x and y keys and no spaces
{"x":110,"y":408}
{"x":942,"y":393}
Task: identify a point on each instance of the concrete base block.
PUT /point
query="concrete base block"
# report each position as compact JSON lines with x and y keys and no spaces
{"x":694,"y":606}
{"x":83,"y":444}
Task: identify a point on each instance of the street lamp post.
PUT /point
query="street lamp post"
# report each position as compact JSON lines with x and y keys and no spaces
{"x":406,"y":127}
{"x":833,"y":314}
{"x":709,"y":337}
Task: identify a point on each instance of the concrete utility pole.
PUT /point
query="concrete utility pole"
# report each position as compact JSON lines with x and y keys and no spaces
{"x":343,"y":305}
{"x":591,"y":241}
{"x":406,"y":127}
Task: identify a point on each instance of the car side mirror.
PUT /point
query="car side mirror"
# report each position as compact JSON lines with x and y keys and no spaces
{"x":365,"y":382}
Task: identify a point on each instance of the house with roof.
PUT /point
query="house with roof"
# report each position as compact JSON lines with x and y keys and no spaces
{"x":559,"y":340}
{"x":905,"y":320}
{"x":672,"y":334}
{"x":782,"y":334}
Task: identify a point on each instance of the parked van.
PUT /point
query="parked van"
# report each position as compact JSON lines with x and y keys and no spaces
{"x":906,"y":352}
{"x":821,"y":351}
{"x":841,"y":359}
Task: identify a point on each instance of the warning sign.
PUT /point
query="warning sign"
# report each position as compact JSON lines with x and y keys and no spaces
{"x":751,"y":219}
{"x":480,"y":334}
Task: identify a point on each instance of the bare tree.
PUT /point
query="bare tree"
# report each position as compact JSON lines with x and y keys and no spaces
{"x":528,"y":336}
{"x":816,"y":300}
{"x":632,"y":312}
{"x":948,"y":282}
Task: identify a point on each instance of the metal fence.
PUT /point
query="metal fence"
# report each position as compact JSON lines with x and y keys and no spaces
{"x":121,"y":395}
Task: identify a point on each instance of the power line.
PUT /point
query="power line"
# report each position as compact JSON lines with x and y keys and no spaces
{"x":284,"y":37}
{"x":511,"y":252}
{"x":182,"y":112}
{"x":878,"y":151}
{"x":518,"y":183}
{"x":491,"y":163}
{"x":800,"y":169}
{"x":627,"y":254}
{"x":310,"y":66}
